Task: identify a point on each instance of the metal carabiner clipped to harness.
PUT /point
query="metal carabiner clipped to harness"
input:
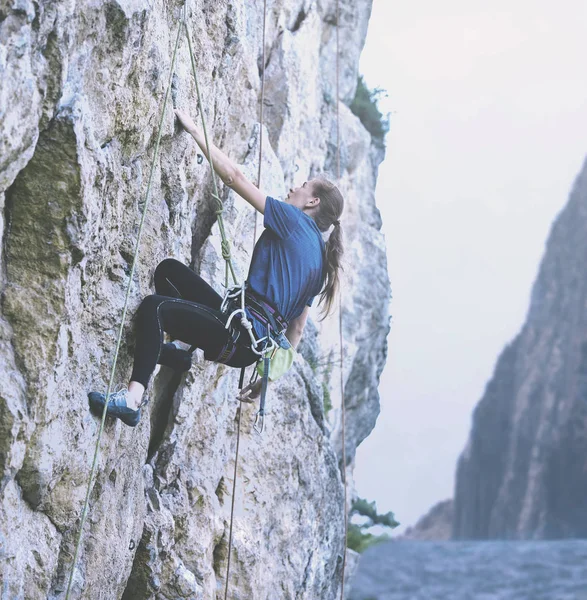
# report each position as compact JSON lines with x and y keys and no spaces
{"x":264,"y":347}
{"x":236,"y":292}
{"x":268,"y":354}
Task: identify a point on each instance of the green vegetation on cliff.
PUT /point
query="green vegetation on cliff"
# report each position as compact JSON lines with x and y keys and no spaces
{"x":359,"y":539}
{"x":365,"y":107}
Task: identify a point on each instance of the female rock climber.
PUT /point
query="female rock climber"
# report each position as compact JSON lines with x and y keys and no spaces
{"x":291,"y":264}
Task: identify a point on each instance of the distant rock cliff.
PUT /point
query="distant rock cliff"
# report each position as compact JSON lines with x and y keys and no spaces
{"x":436,"y":524}
{"x":81,"y":91}
{"x":523,"y":473}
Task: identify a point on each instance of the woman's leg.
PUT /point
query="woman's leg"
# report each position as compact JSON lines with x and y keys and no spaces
{"x":175,"y":280}
{"x":189,"y":322}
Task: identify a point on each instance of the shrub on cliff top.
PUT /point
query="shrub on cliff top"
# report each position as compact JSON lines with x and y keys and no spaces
{"x":358,"y":539}
{"x":365,"y":107}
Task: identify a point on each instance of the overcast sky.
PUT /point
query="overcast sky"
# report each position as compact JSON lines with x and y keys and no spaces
{"x":488,"y":131}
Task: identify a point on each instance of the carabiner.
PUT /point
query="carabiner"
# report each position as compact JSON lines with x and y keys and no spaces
{"x":259,"y":425}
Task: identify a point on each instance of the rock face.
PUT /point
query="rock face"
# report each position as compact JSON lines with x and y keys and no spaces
{"x":523,"y":473}
{"x":81,"y":94}
{"x":435,"y":525}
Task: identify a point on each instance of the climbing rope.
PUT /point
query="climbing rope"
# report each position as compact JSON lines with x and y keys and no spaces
{"x":239,"y":408}
{"x":225,"y":244}
{"x":342,"y":403}
{"x":123,"y":318}
{"x":227,"y":258}
{"x":238,"y":439}
{"x":261,"y":104}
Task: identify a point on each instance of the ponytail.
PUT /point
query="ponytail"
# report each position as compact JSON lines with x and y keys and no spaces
{"x":333,"y":259}
{"x":328,"y":214}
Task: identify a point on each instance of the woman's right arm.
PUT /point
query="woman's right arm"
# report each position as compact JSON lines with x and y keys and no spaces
{"x":227,"y":170}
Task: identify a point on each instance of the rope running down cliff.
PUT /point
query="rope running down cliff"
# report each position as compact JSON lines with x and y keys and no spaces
{"x":342,"y":404}
{"x":123,"y":318}
{"x":225,"y":244}
{"x":261,"y":105}
{"x":239,"y":408}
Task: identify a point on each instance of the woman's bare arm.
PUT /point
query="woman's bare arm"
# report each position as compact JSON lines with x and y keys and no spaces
{"x":227,"y":170}
{"x":296,"y":327}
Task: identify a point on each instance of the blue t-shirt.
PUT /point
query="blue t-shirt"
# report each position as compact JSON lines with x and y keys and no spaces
{"x":287,"y":268}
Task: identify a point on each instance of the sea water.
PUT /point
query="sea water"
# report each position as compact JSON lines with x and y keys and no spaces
{"x":492,"y":570}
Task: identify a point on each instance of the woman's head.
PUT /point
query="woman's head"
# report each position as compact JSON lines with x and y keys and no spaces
{"x":322,"y":201}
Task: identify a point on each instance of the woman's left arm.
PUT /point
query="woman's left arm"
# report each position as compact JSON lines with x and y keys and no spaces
{"x":226,"y":168}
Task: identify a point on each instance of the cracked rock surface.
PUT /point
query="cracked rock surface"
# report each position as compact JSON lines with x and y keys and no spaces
{"x":80,"y":100}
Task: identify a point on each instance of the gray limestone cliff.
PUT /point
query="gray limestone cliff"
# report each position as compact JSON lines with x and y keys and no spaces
{"x":523,"y":473}
{"x":81,"y":90}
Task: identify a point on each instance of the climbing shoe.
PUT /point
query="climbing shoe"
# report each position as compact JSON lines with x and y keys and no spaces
{"x":116,"y":407}
{"x":175,"y":358}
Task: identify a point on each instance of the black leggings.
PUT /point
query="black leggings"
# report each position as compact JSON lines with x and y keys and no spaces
{"x":188,"y":309}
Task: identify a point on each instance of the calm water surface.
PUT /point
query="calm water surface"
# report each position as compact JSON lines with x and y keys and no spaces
{"x":473,"y":571}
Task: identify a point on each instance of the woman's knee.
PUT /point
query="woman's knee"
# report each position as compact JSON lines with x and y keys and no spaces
{"x":165,"y":273}
{"x":149,"y":306}
{"x":165,"y":267}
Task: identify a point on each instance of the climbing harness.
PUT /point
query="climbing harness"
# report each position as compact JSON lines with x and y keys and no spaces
{"x":236,"y":301}
{"x":240,"y":302}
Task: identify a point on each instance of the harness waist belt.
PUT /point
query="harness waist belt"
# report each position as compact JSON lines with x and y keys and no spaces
{"x":265,"y":313}
{"x":259,"y":309}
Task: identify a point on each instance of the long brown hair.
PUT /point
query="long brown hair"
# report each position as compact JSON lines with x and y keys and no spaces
{"x":328,"y":214}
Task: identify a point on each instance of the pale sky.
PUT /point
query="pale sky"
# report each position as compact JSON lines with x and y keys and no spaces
{"x":488,"y":132}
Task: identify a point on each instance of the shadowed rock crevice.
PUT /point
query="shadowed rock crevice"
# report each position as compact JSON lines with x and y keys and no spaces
{"x":162,"y":413}
{"x":116,"y":25}
{"x":221,"y":490}
{"x":52,"y":82}
{"x":220,"y":556}
{"x":299,"y":20}
{"x":268,"y":56}
{"x":142,"y":582}
{"x":41,"y":244}
{"x":44,"y":218}
{"x":304,"y":584}
{"x":206,"y":219}
{"x":60,"y":577}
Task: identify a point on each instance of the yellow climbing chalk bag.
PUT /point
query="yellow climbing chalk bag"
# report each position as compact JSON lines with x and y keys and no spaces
{"x":281,"y":362}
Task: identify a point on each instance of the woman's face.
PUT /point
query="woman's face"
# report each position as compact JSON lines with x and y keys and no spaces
{"x":303,"y":197}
